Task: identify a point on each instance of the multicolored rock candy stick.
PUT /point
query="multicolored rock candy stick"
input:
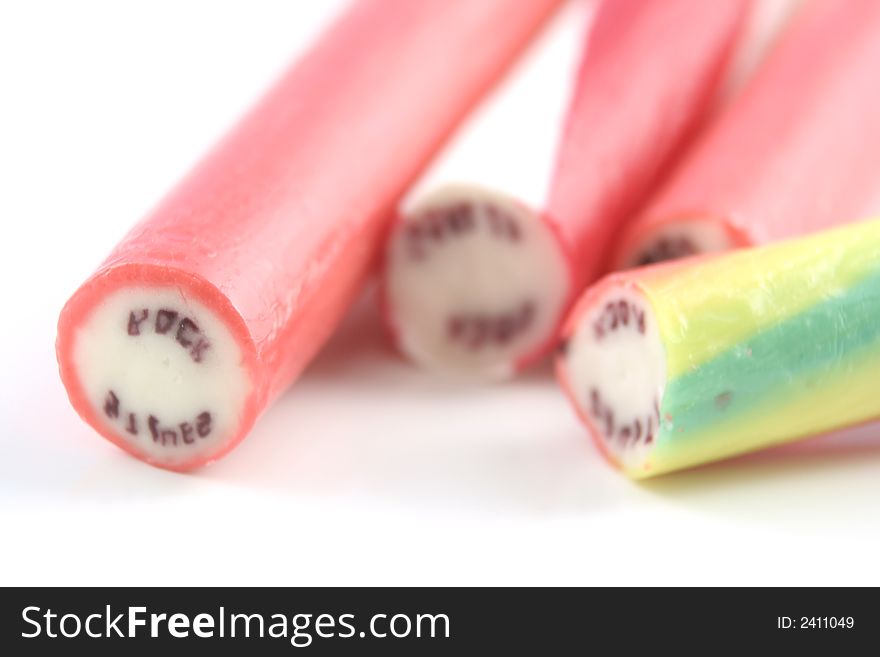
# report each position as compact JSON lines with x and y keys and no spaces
{"x":517,"y":215}
{"x":692,"y":361}
{"x":216,"y":301}
{"x":797,"y":151}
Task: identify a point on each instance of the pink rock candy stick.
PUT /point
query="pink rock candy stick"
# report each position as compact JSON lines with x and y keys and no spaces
{"x":215,"y":302}
{"x":798,"y":151}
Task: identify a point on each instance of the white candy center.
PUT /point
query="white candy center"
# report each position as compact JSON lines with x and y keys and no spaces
{"x":475,"y":281}
{"x":163,"y":372}
{"x":617,"y":369}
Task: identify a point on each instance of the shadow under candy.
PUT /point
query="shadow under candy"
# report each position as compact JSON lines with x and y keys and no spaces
{"x":829,"y":480}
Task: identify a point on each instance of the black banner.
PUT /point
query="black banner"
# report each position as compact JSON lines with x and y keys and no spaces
{"x":434,"y":621}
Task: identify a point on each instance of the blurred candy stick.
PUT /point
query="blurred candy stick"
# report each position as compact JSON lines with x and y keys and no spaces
{"x":797,"y":151}
{"x":767,"y":21}
{"x":692,"y":361}
{"x":216,"y":301}
{"x":516,"y":215}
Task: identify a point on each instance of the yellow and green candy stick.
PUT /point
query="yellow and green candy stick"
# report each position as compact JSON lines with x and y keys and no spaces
{"x":692,"y":361}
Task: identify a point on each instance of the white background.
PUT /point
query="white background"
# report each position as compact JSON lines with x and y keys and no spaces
{"x":367,"y":471}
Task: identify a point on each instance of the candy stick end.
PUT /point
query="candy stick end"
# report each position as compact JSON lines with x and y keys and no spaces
{"x":614,"y":372}
{"x":475,"y":283}
{"x":159,"y":364}
{"x":678,"y":238}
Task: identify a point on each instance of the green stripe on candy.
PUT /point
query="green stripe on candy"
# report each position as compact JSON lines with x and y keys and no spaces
{"x":771,"y":368}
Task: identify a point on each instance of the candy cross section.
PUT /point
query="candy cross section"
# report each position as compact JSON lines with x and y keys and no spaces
{"x":463,"y":320}
{"x":163,"y":367}
{"x":688,"y":362}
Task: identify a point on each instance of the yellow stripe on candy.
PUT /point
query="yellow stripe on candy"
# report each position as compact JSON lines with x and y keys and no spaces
{"x":699,"y":360}
{"x":845,"y":397}
{"x":766,"y":285}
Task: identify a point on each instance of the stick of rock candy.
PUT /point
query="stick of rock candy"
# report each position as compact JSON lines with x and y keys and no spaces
{"x":797,"y":151}
{"x":690,"y":361}
{"x":517,"y":215}
{"x":216,"y":301}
